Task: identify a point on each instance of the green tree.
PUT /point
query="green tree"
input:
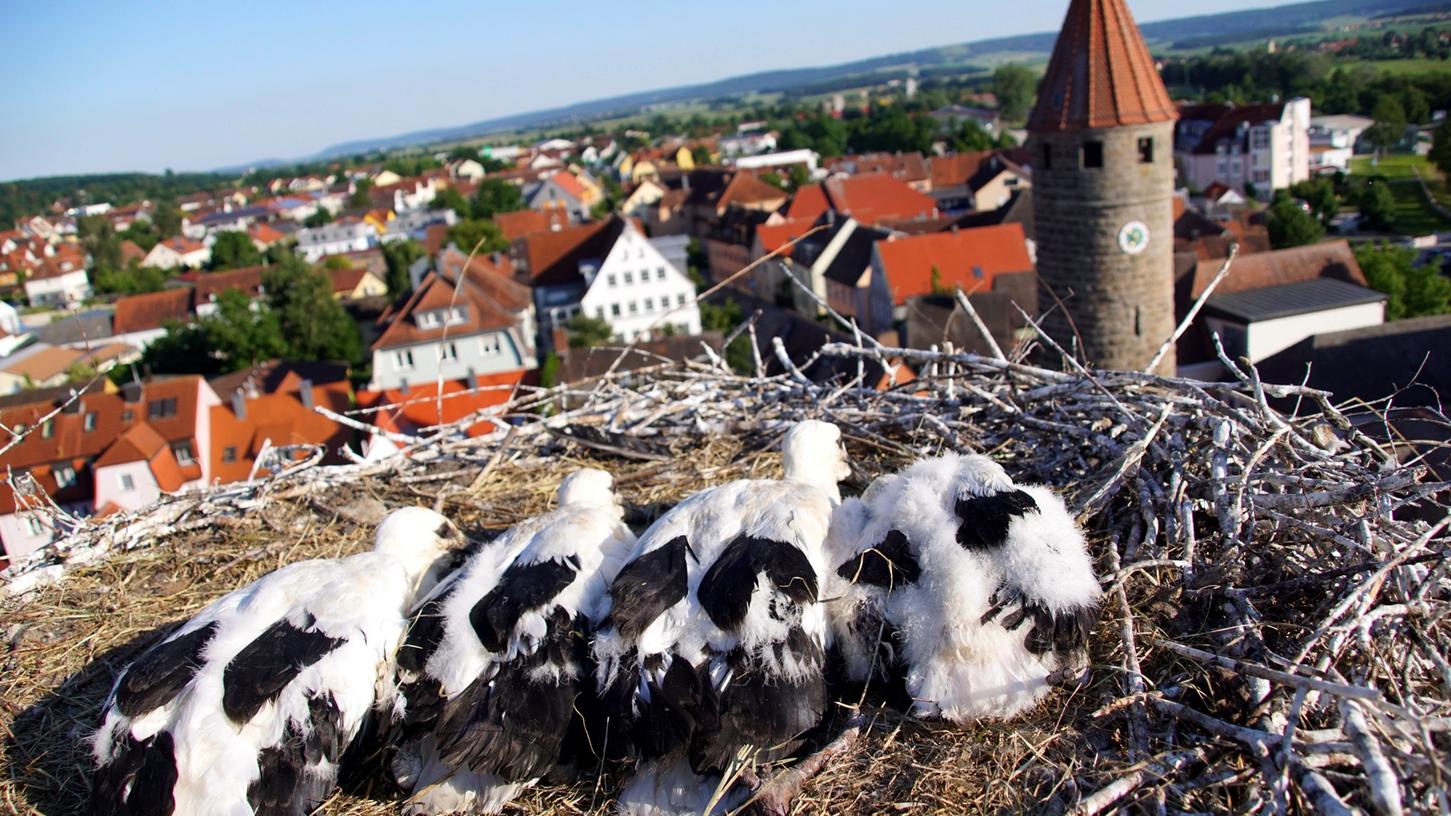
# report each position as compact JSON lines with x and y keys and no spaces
{"x":141,"y":233}
{"x":184,"y":349}
{"x":241,"y":335}
{"x":1441,"y":147}
{"x":319,"y":218}
{"x":969,"y":137}
{"x":479,"y":232}
{"x":700,"y":154}
{"x":1390,"y":123}
{"x":495,"y":196}
{"x":1015,"y":87}
{"x":359,"y":199}
{"x":1290,"y":226}
{"x":133,"y":280}
{"x":313,"y":324}
{"x":450,"y":199}
{"x":1319,"y":193}
{"x":585,"y":331}
{"x":400,"y":255}
{"x":1377,"y":204}
{"x":463,"y":152}
{"x":166,"y":218}
{"x":234,"y":249}
{"x":1413,"y":291}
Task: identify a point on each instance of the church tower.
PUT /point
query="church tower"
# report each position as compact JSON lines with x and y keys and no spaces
{"x":1101,"y":141}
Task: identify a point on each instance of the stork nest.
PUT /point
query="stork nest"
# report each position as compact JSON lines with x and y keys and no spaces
{"x":1274,"y":634}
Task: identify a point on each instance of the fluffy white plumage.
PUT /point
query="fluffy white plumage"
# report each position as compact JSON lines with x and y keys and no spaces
{"x":249,"y":706}
{"x":715,"y":637}
{"x":496,"y":656}
{"x":984,"y":588}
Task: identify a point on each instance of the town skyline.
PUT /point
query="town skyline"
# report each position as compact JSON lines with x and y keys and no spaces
{"x":188,"y":112}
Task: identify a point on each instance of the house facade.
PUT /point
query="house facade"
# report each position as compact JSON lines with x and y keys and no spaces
{"x":62,"y":284}
{"x":638,"y":290}
{"x":178,"y":252}
{"x":316,"y":243}
{"x":1266,"y":147}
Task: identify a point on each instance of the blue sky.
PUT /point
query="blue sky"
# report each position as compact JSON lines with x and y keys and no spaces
{"x":106,"y":86}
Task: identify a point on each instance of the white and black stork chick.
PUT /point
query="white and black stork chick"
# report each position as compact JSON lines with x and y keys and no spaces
{"x":984,"y":588}
{"x":494,"y":660}
{"x":249,"y":706}
{"x":713,"y":648}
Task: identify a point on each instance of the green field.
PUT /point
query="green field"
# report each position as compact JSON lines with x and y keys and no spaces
{"x":1412,"y":215}
{"x":1403,"y":66}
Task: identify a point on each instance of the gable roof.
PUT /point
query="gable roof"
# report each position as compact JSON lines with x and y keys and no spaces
{"x":1332,"y":259}
{"x":746,"y":189}
{"x":277,"y":418}
{"x":808,"y":203}
{"x":905,"y":166}
{"x":955,"y":169}
{"x":436,"y":292}
{"x":210,"y":285}
{"x":265,"y":234}
{"x":774,"y":236}
{"x":516,"y":225}
{"x":491,"y":274}
{"x":182,"y":245}
{"x":970,"y":258}
{"x":131,"y":252}
{"x":419,"y":407}
{"x":1101,"y":74}
{"x":1226,"y":127}
{"x":41,"y":362}
{"x":552,"y":258}
{"x":870,"y":199}
{"x":136,"y":313}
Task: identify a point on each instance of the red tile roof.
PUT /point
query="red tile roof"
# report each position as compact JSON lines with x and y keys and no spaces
{"x":956,"y":168}
{"x":1101,"y":74}
{"x":131,"y":252}
{"x":183,"y":245}
{"x":278,"y":418}
{"x":908,"y":167}
{"x":211,"y":285}
{"x":553,"y":257}
{"x":747,"y":190}
{"x":773,"y":236}
{"x":516,"y":225}
{"x":489,"y":273}
{"x":968,"y":258}
{"x":136,"y":313}
{"x":877,"y":197}
{"x":264,"y":234}
{"x":1332,"y":259}
{"x":809,"y":203}
{"x":436,"y":292}
{"x":419,"y":407}
{"x":569,"y":184}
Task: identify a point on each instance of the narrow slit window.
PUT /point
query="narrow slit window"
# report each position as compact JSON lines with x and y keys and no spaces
{"x":1146,"y":150}
{"x":1047,"y":157}
{"x":1093,"y":154}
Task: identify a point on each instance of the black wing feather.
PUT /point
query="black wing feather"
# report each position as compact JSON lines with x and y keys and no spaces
{"x":647,"y":586}
{"x":140,"y":779}
{"x":265,"y":666}
{"x":886,"y":565}
{"x":162,"y":672}
{"x":725,"y":589}
{"x":787,"y":567}
{"x":985,"y":519}
{"x":291,"y":777}
{"x":521,"y":588}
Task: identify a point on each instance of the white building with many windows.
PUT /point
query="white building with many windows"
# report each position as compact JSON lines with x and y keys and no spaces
{"x":337,"y":238}
{"x":1266,"y":147}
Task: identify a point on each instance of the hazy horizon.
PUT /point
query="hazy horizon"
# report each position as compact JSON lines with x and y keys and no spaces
{"x":105,"y":89}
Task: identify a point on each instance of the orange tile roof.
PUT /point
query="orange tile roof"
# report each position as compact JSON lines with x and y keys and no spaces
{"x":265,"y":234}
{"x":419,"y":407}
{"x":435,"y":292}
{"x":211,"y":285}
{"x":131,"y":252}
{"x":569,"y":184}
{"x":877,"y":197}
{"x":773,"y":236}
{"x":491,"y":274}
{"x":1101,"y":74}
{"x":969,"y":258}
{"x":554,"y":257}
{"x":44,"y":363}
{"x":183,"y":245}
{"x":278,"y":418}
{"x":516,"y":225}
{"x":956,"y":168}
{"x":810,"y":202}
{"x":136,"y":313}
{"x":745,"y":189}
{"x":1331,"y":259}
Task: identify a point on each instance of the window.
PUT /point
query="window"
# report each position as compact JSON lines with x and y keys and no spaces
{"x":977,"y":272}
{"x":127,"y":483}
{"x":65,"y":476}
{"x":1047,"y":157}
{"x":629,"y":278}
{"x":162,"y":408}
{"x":47,"y":429}
{"x":1093,"y":154}
{"x":634,"y":307}
{"x":89,"y":423}
{"x":33,"y":525}
{"x":1146,"y":150}
{"x":615,"y":309}
{"x":450,"y":351}
{"x":611,"y":280}
{"x":659,"y":273}
{"x":403,"y":359}
{"x":600,"y":312}
{"x":183,"y":454}
{"x":490,"y":344}
{"x":458,"y":314}
{"x":649,"y":305}
{"x":680,"y":300}
{"x":428,"y":320}
{"x":127,"y":415}
{"x":229,"y":455}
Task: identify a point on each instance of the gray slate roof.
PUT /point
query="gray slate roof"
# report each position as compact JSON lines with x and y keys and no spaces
{"x":1291,"y":299}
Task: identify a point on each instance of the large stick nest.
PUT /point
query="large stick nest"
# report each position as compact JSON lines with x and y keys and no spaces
{"x":1274,"y":636}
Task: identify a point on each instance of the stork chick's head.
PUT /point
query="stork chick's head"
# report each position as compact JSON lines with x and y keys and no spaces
{"x":1046,"y":555}
{"x":813,"y":453}
{"x":587,"y":486}
{"x":418,"y":537}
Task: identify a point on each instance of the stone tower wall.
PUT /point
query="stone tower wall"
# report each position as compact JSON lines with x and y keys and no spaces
{"x":1121,"y":305}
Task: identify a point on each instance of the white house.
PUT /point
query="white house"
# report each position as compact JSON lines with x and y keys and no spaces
{"x":60,"y":281}
{"x":349,"y":235}
{"x":1258,"y":323}
{"x":808,"y":158}
{"x":178,"y":252}
{"x":1266,"y":146}
{"x":1333,"y":140}
{"x":468,"y":169}
{"x":637,"y":289}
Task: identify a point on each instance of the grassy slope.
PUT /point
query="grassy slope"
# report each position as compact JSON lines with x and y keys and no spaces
{"x":1413,"y":216}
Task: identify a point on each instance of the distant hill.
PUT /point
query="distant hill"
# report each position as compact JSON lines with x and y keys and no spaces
{"x":1187,"y":32}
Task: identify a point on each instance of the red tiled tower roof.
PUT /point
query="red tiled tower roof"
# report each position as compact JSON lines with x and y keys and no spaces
{"x":1101,"y":74}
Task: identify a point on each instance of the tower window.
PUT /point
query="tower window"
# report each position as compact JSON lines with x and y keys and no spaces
{"x":1093,"y":154}
{"x":1146,"y":150}
{"x":1047,"y":157}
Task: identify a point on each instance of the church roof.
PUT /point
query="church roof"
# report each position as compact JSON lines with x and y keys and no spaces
{"x":1101,"y":74}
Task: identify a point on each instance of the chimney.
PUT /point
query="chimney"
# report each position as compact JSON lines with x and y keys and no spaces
{"x":304,"y":393}
{"x":239,"y":404}
{"x":473,"y":379}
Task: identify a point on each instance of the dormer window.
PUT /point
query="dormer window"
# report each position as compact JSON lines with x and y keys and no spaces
{"x":65,"y":476}
{"x":458,"y":314}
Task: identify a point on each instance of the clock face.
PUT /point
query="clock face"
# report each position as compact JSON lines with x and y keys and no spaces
{"x":1133,"y":237}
